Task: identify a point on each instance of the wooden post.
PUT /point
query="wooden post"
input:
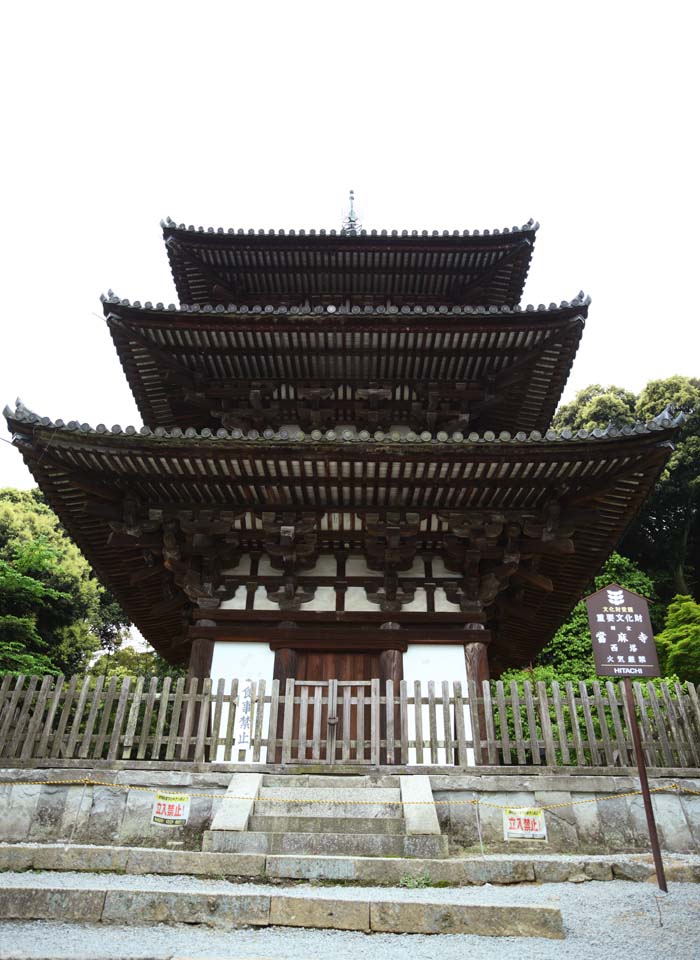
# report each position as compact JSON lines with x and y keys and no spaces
{"x":644,"y":783}
{"x":477,"y":660}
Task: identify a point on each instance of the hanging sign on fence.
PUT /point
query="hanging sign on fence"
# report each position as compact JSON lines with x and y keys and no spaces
{"x":171,"y":809}
{"x":244,"y":716}
{"x":524,"y":823}
{"x":623,"y":640}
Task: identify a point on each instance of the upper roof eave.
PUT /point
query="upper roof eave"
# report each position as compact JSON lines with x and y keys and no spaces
{"x":21,"y":415}
{"x":171,"y":228}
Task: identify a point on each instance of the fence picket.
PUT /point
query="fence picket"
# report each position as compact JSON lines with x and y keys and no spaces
{"x":57,"y":746}
{"x":24,"y":713}
{"x":303,"y":721}
{"x":272,"y":725}
{"x":228,"y":742}
{"x":546,"y":724}
{"x":104,"y":723}
{"x":503,"y":723}
{"x":491,"y":745}
{"x":203,"y":722}
{"x":318,"y":716}
{"x":403,"y":714}
{"x":79,"y":710}
{"x":10,"y":710}
{"x":432,"y":720}
{"x":160,"y":722}
{"x":575,"y":727}
{"x":86,"y":739}
{"x":475,"y":721}
{"x":649,"y":744}
{"x":36,"y":718}
{"x":360,"y":748}
{"x":532,"y":723}
{"x":376,"y":733}
{"x":190,"y":704}
{"x":147,"y":717}
{"x":666,"y":752}
{"x":692,"y":741}
{"x":259,"y":718}
{"x":674,"y":726}
{"x":517,"y":723}
{"x":450,"y":752}
{"x":562,"y":738}
{"x":133,"y":719}
{"x":588,"y":723}
{"x":175,"y":719}
{"x":288,"y":723}
{"x":418,"y":719}
{"x":119,"y":719}
{"x":460,"y":727}
{"x":617,"y":725}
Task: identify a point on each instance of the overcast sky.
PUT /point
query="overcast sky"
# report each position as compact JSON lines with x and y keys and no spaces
{"x":440,"y":115}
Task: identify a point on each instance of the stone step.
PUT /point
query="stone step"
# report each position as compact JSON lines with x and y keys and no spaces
{"x":277,"y":824}
{"x":319,"y":809}
{"x":325,"y":844}
{"x":139,"y":904}
{"x":457,"y":871}
{"x":329,"y":782}
{"x":345,"y":793}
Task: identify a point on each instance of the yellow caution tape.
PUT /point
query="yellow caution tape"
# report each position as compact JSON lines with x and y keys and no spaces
{"x":87,"y":782}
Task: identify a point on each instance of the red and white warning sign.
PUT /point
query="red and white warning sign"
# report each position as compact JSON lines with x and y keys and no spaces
{"x":524,"y":823}
{"x":171,"y":809}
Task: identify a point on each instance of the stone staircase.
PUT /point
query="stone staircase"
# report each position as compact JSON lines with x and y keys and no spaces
{"x":327,"y":816}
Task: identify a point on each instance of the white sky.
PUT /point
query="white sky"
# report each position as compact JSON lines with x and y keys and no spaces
{"x":441,"y":115}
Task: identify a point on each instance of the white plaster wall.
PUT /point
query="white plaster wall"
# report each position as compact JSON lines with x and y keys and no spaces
{"x":237,"y":601}
{"x":246,"y":660}
{"x":434,"y":663}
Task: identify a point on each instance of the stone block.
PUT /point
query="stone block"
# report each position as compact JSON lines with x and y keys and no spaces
{"x":316,"y":868}
{"x":195,"y":863}
{"x":691,"y":808}
{"x":25,"y":903}
{"x":636,"y":870}
{"x":75,"y":820}
{"x":233,"y":813}
{"x":616,"y":823}
{"x":319,"y":913}
{"x":56,"y":857}
{"x":495,"y":871}
{"x":155,"y":906}
{"x":671,"y":823}
{"x":16,"y":858}
{"x":419,"y":811}
{"x":485,"y":921}
{"x":48,"y":814}
{"x":18,"y":812}
{"x":589,"y":830}
{"x":106,"y":814}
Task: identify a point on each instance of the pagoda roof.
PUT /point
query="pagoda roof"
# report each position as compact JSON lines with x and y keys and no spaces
{"x":506,"y":365}
{"x":87,"y":475}
{"x":219,"y":266}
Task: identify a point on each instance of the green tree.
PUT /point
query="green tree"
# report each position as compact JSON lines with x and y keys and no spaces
{"x":665,"y":538}
{"x":679,"y":642}
{"x":53,"y":611}
{"x":597,"y":406}
{"x":128,"y":662}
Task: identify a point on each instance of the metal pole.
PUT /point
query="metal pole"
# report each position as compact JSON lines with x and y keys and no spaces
{"x":644,"y":783}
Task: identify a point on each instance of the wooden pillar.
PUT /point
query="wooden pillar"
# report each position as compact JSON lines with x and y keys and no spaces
{"x":285,"y":668}
{"x":391,"y":666}
{"x":476,"y":656}
{"x":201,"y":656}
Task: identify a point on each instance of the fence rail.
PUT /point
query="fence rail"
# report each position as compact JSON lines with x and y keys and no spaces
{"x":341,"y":722}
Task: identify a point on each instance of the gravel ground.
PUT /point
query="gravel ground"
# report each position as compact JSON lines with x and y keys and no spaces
{"x":600,"y":918}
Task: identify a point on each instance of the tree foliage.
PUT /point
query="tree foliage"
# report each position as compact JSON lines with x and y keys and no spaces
{"x":128,"y":662}
{"x":679,"y":642}
{"x":54,"y":614}
{"x":597,"y":406}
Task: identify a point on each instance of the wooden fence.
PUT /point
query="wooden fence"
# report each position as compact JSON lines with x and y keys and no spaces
{"x":342,"y":722}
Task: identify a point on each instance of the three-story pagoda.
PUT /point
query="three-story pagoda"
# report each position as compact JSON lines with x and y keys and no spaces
{"x":346,"y":468}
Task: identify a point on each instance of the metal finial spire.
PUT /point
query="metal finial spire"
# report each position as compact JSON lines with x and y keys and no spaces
{"x":351,"y":223}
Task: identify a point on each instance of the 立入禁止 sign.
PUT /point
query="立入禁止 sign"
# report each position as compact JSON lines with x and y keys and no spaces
{"x":170,"y":809}
{"x":623,"y":639}
{"x":524,"y":823}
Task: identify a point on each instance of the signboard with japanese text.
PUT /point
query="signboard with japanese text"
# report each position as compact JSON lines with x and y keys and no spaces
{"x":524,"y":823}
{"x":623,"y":640}
{"x":171,"y":809}
{"x":244,"y":716}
